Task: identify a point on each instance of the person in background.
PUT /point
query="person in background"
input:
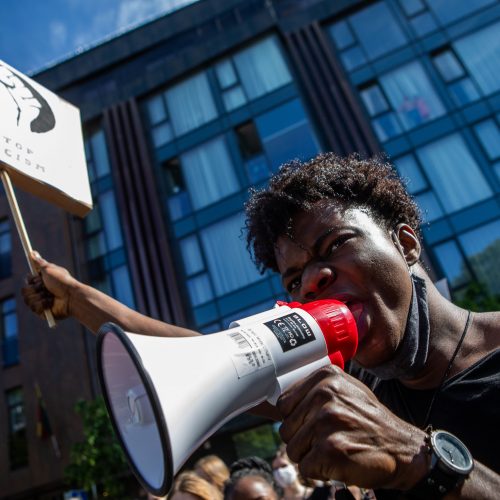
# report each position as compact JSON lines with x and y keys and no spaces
{"x":189,"y":486}
{"x":212,"y":469}
{"x":251,"y":479}
{"x":286,"y":474}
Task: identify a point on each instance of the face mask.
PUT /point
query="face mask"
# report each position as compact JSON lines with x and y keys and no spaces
{"x":411,"y":354}
{"x":285,"y":476}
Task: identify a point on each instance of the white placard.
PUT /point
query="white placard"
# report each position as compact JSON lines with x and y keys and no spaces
{"x":41,"y":143}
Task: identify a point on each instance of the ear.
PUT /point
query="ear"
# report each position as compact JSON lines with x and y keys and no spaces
{"x":406,"y":240}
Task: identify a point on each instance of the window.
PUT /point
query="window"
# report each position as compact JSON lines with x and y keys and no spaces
{"x":460,"y":8}
{"x":482,"y":247}
{"x":385,"y":123}
{"x":412,"y":7}
{"x":104,"y":244}
{"x":453,"y":173}
{"x":367,"y":35}
{"x":423,"y":24}
{"x":96,"y":154}
{"x":175,"y":188}
{"x":227,"y":258}
{"x":460,"y":86}
{"x":410,"y":172}
{"x":252,"y":153}
{"x":208,"y":173}
{"x":231,"y":89}
{"x":377,"y":30}
{"x":18,"y":444}
{"x":5,"y":249}
{"x":262,"y":68}
{"x":180,"y":109}
{"x":190,"y":104}
{"x":480,"y":53}
{"x":452,"y":263}
{"x":488,"y":134}
{"x":429,"y":206}
{"x":411,"y":95}
{"x":286,"y":134}
{"x":9,"y":332}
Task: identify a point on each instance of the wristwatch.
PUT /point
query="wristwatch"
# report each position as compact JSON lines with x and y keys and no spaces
{"x":451,"y":464}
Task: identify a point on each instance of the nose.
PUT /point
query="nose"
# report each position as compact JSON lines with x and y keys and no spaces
{"x":315,"y":279}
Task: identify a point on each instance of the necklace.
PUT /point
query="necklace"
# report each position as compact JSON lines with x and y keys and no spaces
{"x":441,"y":383}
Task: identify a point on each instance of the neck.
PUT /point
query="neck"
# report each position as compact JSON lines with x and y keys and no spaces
{"x":447,"y":323}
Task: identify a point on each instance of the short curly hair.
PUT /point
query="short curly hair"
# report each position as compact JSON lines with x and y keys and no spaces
{"x":354,"y":181}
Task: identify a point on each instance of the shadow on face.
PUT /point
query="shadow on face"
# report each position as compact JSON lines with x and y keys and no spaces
{"x":252,"y":488}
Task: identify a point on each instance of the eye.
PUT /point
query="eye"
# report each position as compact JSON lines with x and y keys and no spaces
{"x":336,"y":243}
{"x":293,"y":284}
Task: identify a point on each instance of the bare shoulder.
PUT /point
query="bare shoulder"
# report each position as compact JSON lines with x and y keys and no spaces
{"x":487,"y":326}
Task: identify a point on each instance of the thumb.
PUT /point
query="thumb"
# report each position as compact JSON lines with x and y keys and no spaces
{"x":37,"y":259}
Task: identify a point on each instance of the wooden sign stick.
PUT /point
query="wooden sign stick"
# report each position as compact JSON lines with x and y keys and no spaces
{"x":21,"y":229}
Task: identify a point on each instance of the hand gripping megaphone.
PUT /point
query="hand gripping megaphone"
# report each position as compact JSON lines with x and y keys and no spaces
{"x":166,"y":396}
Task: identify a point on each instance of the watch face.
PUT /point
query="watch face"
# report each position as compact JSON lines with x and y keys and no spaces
{"x":452,"y":451}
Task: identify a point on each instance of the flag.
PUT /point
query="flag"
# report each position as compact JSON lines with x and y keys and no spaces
{"x":43,"y":427}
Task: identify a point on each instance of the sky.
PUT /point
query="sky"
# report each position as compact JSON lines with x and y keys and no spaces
{"x":35,"y":34}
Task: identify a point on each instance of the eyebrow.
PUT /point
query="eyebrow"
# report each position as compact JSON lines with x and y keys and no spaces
{"x":315,"y":249}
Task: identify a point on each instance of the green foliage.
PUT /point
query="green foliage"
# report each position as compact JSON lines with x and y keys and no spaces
{"x":98,"y":459}
{"x":477,"y":297}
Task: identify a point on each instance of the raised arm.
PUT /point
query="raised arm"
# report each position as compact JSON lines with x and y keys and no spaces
{"x":56,"y":289}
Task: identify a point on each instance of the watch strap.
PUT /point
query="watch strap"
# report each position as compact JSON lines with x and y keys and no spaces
{"x":435,"y":485}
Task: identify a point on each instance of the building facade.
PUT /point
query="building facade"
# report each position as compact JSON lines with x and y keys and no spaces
{"x":183,"y":115}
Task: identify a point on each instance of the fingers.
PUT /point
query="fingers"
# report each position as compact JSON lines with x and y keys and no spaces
{"x":36,"y":296}
{"x":295,"y":394}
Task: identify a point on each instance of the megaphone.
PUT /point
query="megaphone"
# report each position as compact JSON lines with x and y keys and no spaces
{"x":166,"y":396}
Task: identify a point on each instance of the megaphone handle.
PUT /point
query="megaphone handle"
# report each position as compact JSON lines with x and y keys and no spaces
{"x":23,"y":235}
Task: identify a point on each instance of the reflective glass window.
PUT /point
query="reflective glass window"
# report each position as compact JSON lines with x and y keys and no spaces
{"x":190,"y":104}
{"x":374,"y":100}
{"x":411,"y":7}
{"x":386,"y":126}
{"x":226,"y":75}
{"x":5,"y":249}
{"x":233,"y":98}
{"x":480,"y":53}
{"x":227,"y":258}
{"x":9,"y":332}
{"x":286,"y":134}
{"x":156,"y":110}
{"x":353,"y":58}
{"x":208,"y":172}
{"x":482,"y":247}
{"x":377,"y":30}
{"x":111,"y":221}
{"x":17,"y":439}
{"x":489,"y":135}
{"x":454,"y":174}
{"x":463,"y":91}
{"x":199,"y":289}
{"x":262,"y":68}
{"x":342,"y":34}
{"x":410,"y":172}
{"x":423,"y":24}
{"x":447,"y":13}
{"x":448,"y":66}
{"x":429,"y":206}
{"x":191,"y":255}
{"x":411,"y":95}
{"x":452,"y":263}
{"x":123,"y":286}
{"x":162,"y":134}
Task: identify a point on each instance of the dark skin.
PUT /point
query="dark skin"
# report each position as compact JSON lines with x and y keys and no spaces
{"x":334,"y":426}
{"x":253,"y":488}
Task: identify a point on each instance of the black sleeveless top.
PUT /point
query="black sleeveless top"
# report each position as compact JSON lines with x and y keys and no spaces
{"x":468,"y":405}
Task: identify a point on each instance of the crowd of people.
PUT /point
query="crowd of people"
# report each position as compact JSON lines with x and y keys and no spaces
{"x":253,"y":478}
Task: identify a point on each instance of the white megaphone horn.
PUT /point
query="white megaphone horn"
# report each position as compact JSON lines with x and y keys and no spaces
{"x":166,"y":396}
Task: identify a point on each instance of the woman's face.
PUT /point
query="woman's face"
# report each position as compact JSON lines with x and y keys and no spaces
{"x":253,"y":488}
{"x":345,"y":255}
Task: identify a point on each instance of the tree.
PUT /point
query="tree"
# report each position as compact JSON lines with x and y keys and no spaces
{"x":478,"y":297}
{"x":98,"y":459}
